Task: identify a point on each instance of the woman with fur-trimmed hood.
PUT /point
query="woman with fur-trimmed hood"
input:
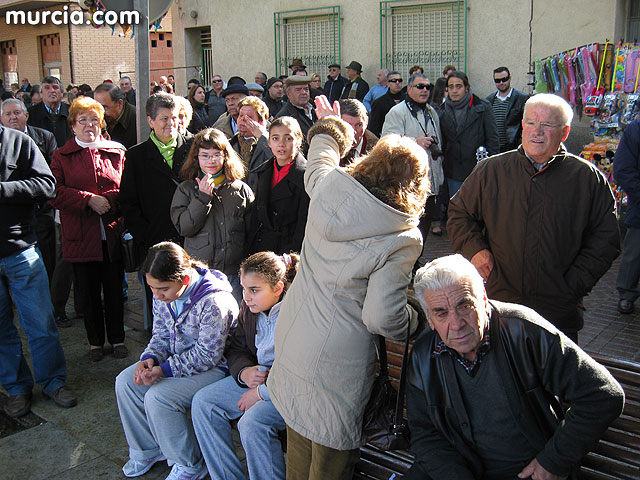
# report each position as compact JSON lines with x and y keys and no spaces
{"x":360,"y":245}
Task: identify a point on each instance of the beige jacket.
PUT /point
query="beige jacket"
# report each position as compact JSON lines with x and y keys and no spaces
{"x":355,"y":268}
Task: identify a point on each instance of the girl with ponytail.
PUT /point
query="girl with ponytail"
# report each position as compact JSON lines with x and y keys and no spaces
{"x":265,"y":278}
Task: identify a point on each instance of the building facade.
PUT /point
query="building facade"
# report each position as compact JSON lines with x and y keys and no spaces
{"x":474,"y":35}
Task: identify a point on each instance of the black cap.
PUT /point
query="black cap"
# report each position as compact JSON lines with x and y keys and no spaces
{"x":235,"y":88}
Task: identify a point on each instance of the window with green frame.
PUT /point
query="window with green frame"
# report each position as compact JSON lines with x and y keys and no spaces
{"x":312,"y":35}
{"x":431,"y":35}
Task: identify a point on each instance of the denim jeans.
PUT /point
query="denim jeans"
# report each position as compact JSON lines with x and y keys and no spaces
{"x":454,"y":186}
{"x":213,"y":407}
{"x":23,"y":277}
{"x":155,"y":419}
{"x":629,"y":272}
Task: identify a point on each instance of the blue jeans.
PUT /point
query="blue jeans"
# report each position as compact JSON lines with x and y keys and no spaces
{"x":23,"y":275}
{"x":154,"y":418}
{"x":454,"y":186}
{"x":212,"y":409}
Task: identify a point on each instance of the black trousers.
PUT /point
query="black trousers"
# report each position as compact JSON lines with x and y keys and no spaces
{"x":94,"y":278}
{"x":46,"y":233}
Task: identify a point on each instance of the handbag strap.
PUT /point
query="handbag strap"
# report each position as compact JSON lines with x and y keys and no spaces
{"x":403,"y":380}
{"x":384,"y":371}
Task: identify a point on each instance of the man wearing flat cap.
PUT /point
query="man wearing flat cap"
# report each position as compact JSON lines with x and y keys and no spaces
{"x":234,"y":92}
{"x":334,"y":84}
{"x":298,"y":106}
{"x":355,"y":87}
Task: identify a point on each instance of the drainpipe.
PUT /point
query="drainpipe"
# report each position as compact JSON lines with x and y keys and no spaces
{"x":72,"y":82}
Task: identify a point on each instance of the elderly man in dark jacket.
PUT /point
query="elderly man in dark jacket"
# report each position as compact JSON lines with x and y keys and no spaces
{"x":26,"y":181}
{"x":538,"y":223}
{"x":334,"y":84}
{"x":355,"y":86}
{"x":486,"y":386}
{"x":467,"y":123}
{"x":626,"y":168}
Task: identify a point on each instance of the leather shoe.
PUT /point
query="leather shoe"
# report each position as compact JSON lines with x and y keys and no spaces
{"x":96,"y":354}
{"x":18,"y":405}
{"x":120,"y":351}
{"x":63,"y":397}
{"x":625,"y":306}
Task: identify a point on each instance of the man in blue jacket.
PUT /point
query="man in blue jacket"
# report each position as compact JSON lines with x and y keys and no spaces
{"x":626,"y":169}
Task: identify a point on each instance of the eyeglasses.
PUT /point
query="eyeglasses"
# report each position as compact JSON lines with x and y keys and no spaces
{"x":422,"y":86}
{"x":86,"y":121}
{"x":547,"y":126}
{"x":395,"y":80}
{"x":207,"y":157}
{"x":216,"y":81}
{"x":502,"y":80}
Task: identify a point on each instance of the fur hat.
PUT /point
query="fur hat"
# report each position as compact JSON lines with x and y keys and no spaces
{"x":337,"y":129}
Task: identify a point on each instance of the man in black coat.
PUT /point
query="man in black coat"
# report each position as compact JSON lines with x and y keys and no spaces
{"x":508,"y":108}
{"x":355,"y":87}
{"x":51,"y":113}
{"x":119,"y":114}
{"x":486,"y":386}
{"x":334,"y":84}
{"x":382,"y":105}
{"x":127,"y":88}
{"x":298,"y":105}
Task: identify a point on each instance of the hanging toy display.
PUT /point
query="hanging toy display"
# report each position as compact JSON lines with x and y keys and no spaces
{"x":601,"y":81}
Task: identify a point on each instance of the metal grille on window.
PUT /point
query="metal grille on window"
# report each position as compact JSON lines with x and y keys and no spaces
{"x":312,"y":35}
{"x":633,"y":21}
{"x":429,"y":35}
{"x":207,"y":57}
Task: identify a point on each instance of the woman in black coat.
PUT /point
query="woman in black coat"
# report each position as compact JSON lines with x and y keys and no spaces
{"x":279,"y":214}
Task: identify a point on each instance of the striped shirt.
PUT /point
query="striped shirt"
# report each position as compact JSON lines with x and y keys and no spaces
{"x":500,"y":107}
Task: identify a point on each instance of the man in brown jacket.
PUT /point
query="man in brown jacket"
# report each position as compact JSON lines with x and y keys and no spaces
{"x":538,"y":223}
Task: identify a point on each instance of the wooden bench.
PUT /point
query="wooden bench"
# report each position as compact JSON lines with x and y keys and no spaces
{"x":616,"y":457}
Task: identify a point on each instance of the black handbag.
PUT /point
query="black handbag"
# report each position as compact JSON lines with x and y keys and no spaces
{"x":384,"y":426}
{"x":130,"y":256}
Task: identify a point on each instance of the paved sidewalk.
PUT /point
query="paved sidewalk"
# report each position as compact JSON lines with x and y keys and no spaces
{"x":87,"y":442}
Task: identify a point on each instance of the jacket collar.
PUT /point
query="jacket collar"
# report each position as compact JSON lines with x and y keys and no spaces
{"x":72,"y":147}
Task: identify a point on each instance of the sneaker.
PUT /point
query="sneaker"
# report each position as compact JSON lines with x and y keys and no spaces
{"x":135,"y":468}
{"x":120,"y":351}
{"x":178,"y":472}
{"x":63,"y":397}
{"x":62,"y":321}
{"x":18,"y":405}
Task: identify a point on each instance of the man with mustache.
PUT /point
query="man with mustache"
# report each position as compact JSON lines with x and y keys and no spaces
{"x":538,"y":223}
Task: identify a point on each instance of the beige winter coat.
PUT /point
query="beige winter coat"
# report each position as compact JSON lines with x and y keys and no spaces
{"x":356,"y":263}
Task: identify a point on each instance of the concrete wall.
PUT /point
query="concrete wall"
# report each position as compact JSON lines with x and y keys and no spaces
{"x":497,"y":33}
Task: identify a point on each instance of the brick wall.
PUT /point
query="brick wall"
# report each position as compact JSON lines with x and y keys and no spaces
{"x":96,"y":54}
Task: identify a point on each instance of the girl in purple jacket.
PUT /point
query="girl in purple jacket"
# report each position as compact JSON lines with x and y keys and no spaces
{"x":193,"y":310}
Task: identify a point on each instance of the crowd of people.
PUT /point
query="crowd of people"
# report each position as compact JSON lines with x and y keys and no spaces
{"x":279,"y":225}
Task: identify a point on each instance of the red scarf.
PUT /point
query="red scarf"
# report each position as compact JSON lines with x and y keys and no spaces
{"x":279,"y":174}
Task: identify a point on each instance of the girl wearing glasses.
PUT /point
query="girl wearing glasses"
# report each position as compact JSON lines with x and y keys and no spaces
{"x":209,"y":207}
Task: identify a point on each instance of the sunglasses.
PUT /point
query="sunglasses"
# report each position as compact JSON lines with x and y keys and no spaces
{"x":395,"y":80}
{"x":216,"y":81}
{"x":501,"y":80}
{"x":422,"y":86}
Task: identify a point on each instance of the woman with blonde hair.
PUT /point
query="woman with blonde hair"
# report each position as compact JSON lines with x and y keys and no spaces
{"x":210,"y":205}
{"x":361,"y":243}
{"x":88,"y":169}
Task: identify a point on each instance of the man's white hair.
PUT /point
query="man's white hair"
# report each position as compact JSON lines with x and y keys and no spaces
{"x":552,"y":101}
{"x":446,"y":272}
{"x":12,"y":101}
